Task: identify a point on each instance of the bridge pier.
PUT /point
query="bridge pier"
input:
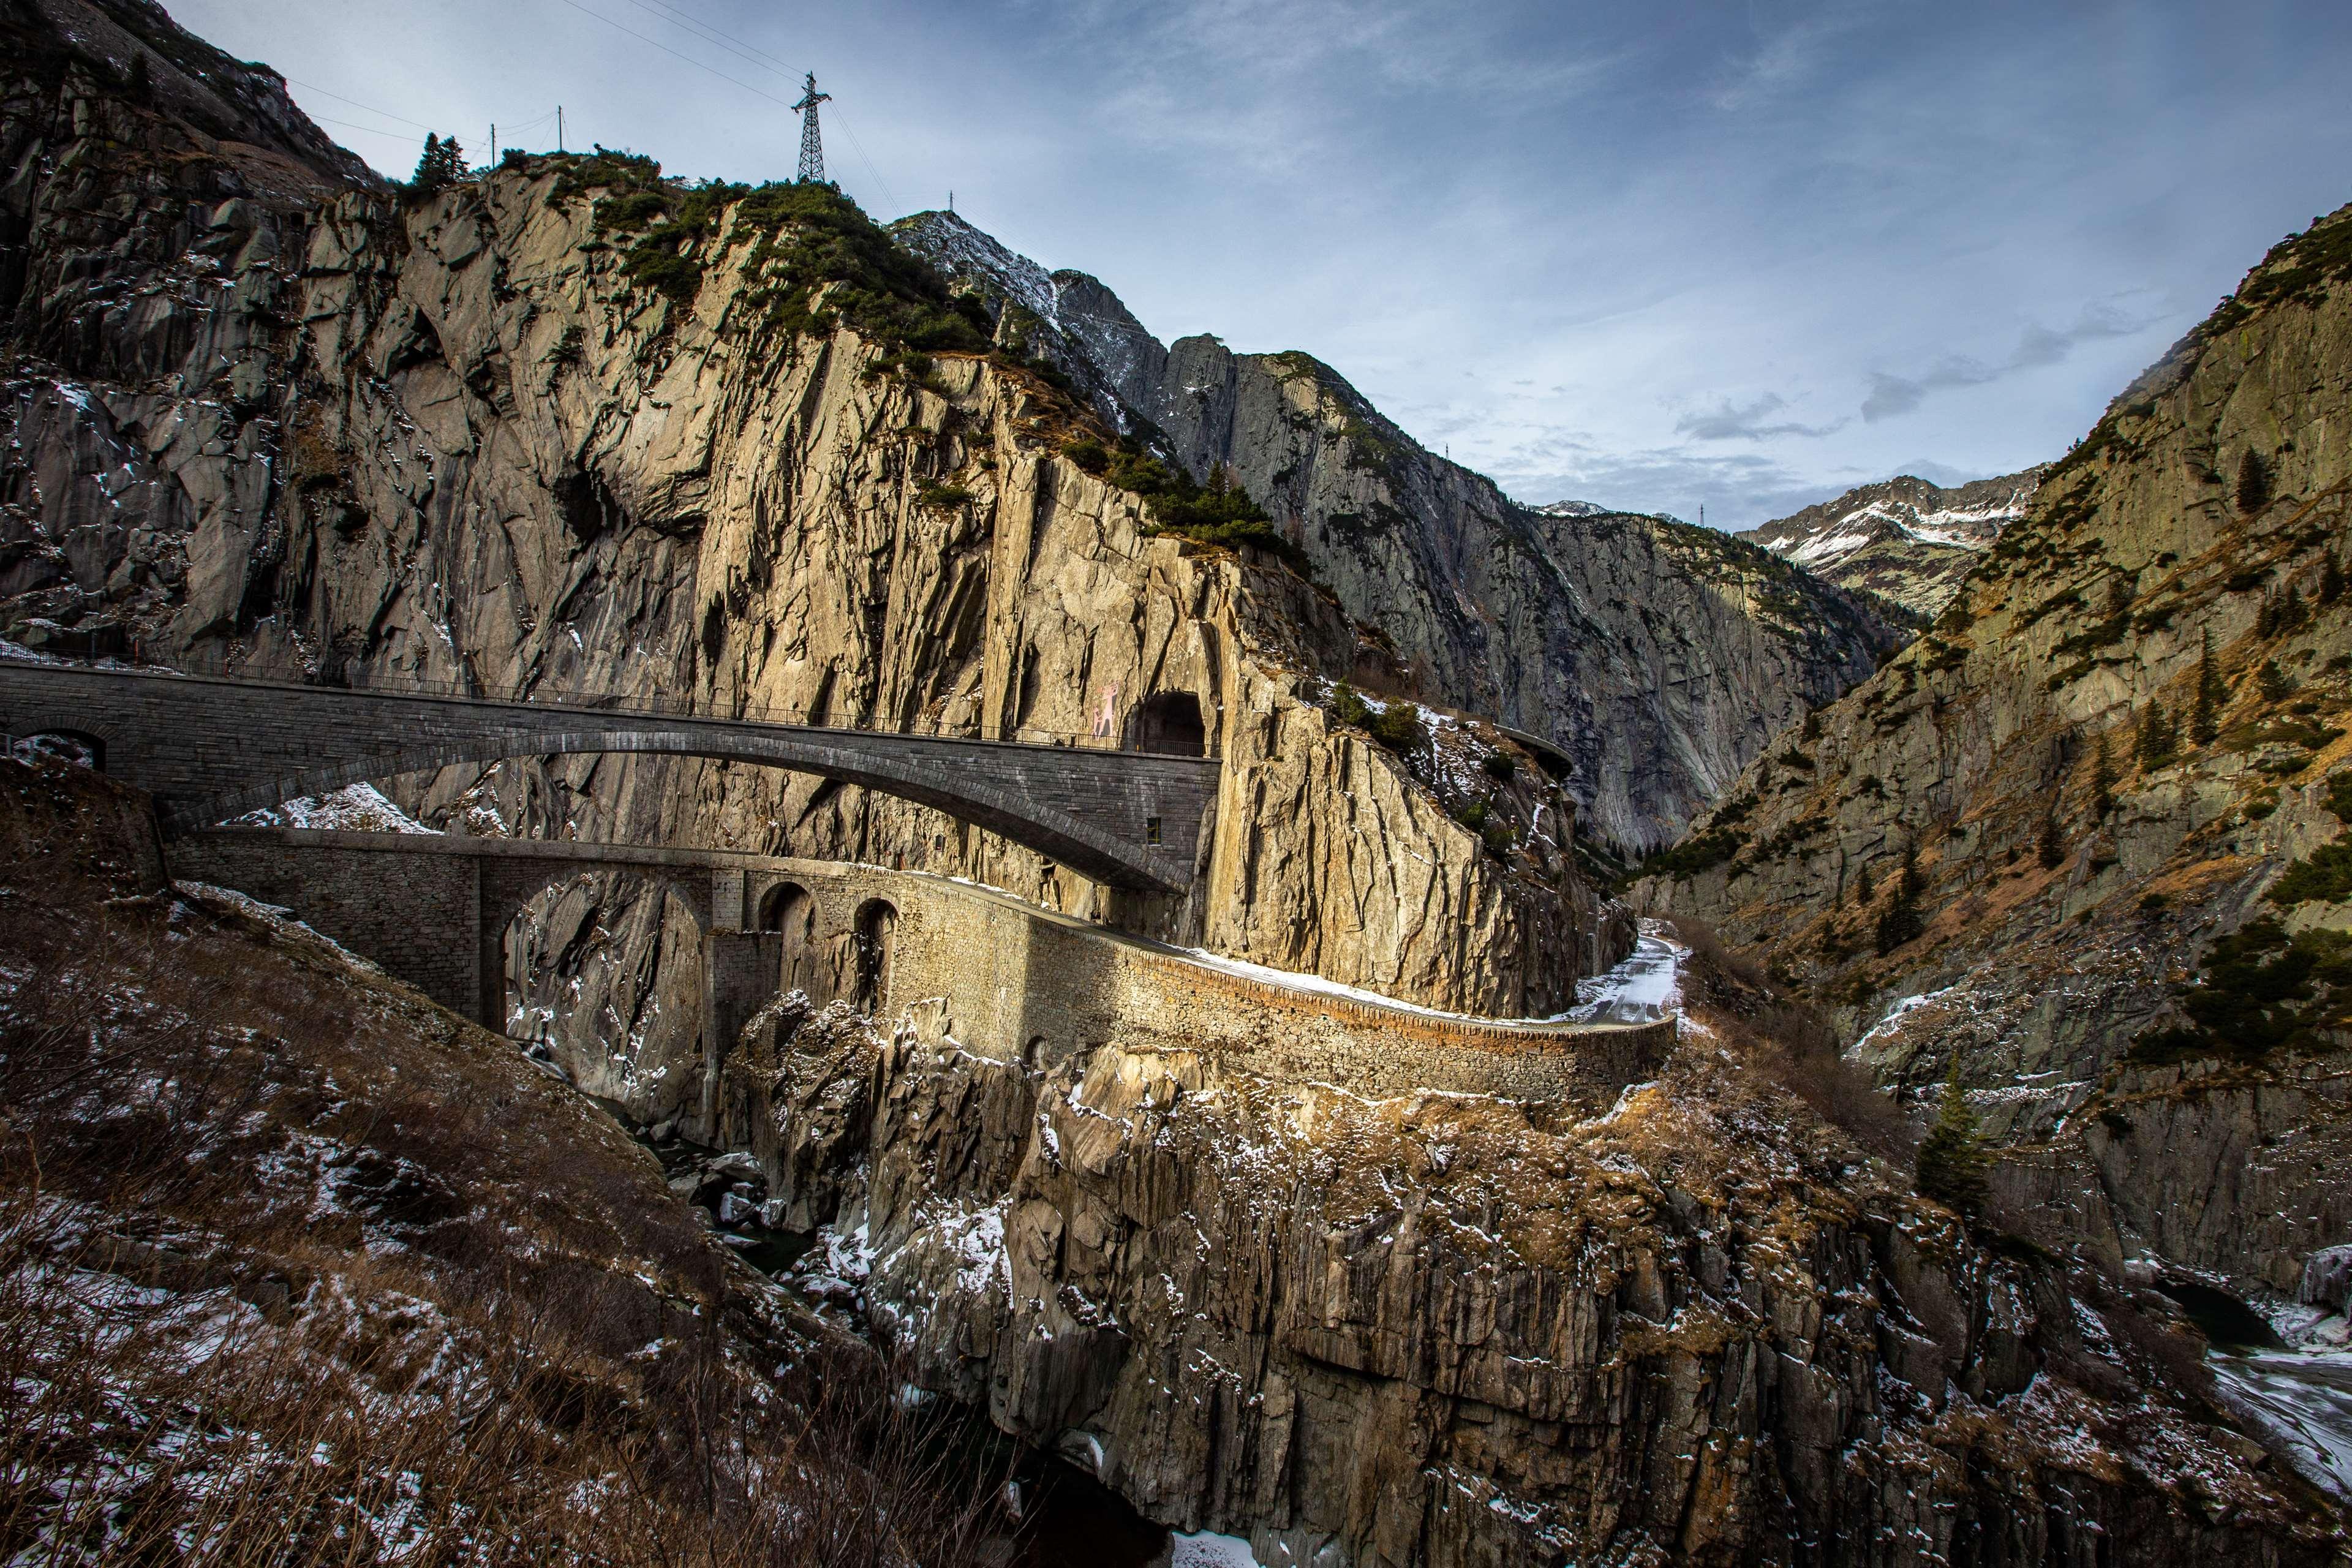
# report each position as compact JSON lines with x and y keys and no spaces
{"x":741,"y":970}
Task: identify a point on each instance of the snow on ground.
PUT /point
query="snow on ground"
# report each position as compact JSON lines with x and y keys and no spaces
{"x":1206,"y":1551}
{"x":276,"y":915}
{"x":357,"y":808}
{"x":1893,"y":1018}
{"x":1296,"y":981}
{"x":1644,"y":989}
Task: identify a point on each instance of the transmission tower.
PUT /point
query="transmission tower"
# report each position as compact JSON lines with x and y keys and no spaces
{"x":812,"y":145}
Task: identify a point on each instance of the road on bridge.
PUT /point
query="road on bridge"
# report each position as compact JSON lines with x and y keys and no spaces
{"x":209,"y":748}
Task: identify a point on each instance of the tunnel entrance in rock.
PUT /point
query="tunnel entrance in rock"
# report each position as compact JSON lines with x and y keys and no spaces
{"x":1169,"y":723}
{"x":603,"y":980}
{"x":789,"y":909}
{"x":75,"y":746}
{"x":870,"y":942}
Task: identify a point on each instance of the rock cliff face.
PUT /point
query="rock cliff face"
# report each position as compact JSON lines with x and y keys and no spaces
{"x":1446,"y":1329}
{"x":2111,"y":770}
{"x":1902,"y":539}
{"x":1658,"y":657}
{"x":560,"y":429}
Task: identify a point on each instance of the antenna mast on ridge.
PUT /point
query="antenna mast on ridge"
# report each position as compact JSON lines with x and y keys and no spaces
{"x":812,"y":146}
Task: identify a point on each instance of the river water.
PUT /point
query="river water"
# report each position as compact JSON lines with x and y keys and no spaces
{"x":1640,"y":990}
{"x":2302,"y":1400}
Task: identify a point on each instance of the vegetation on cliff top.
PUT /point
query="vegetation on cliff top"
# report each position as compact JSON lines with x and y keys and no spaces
{"x":1218,"y":512}
{"x":818,"y":260}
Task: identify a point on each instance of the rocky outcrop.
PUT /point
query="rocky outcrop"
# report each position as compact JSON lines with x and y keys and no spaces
{"x":1446,"y":1329}
{"x":1902,"y":539}
{"x":480,"y":438}
{"x":2056,"y":826}
{"x":1659,"y":658}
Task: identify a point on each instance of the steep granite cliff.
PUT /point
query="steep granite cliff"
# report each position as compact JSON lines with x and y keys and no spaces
{"x":568,"y":427}
{"x":1659,"y":658}
{"x":2086,"y":827}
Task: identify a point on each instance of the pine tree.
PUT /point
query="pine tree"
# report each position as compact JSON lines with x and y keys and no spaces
{"x":2051,"y":849}
{"x":1901,"y":920}
{"x":1811,"y":730}
{"x":442,"y":163}
{"x":2331,"y":579}
{"x":2266,"y":618}
{"x":1863,"y":891}
{"x":2158,"y":738}
{"x":2253,"y":482}
{"x":2276,"y":684}
{"x":2103,"y":780}
{"x":140,"y":88}
{"x":1953,"y":1162}
{"x":2290,"y":612}
{"x":2205,"y":718}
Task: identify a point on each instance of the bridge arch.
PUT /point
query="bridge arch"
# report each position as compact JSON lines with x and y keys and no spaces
{"x":68,"y":743}
{"x":211,"y":748}
{"x":601,"y":969}
{"x":789,"y":909}
{"x":1057,"y":834}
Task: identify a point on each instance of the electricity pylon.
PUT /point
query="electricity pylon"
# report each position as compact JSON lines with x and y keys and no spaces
{"x":812,"y":146}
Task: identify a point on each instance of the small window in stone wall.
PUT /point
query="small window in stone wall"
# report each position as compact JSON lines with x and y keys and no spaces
{"x":1151,"y":830}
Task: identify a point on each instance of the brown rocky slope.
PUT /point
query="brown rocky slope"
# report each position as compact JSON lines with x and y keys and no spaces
{"x":2112,"y":768}
{"x":1704,"y":1326}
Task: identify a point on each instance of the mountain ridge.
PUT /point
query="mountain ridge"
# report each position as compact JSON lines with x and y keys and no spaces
{"x":1904,"y":539}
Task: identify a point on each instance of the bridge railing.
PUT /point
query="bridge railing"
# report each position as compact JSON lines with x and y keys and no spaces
{"x":658,"y":703}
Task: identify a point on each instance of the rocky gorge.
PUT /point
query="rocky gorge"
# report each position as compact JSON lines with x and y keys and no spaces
{"x":569,"y":427}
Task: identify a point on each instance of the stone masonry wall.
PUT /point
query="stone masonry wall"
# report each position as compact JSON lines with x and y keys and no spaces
{"x":1002,"y":979}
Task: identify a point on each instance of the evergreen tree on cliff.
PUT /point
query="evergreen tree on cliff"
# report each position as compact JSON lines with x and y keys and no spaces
{"x":2253,"y":482}
{"x":442,"y":163}
{"x":1952,"y":1160}
{"x":2205,"y":718}
{"x":1901,"y":920}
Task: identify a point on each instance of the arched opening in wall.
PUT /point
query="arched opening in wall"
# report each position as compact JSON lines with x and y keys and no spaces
{"x":870,"y":942}
{"x":1169,"y":723}
{"x":787,"y":908}
{"x":78,"y":747}
{"x":603,"y":980}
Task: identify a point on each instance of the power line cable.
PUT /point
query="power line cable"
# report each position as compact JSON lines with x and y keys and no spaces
{"x":771,"y":60}
{"x":664,"y":48}
{"x":677,"y":18}
{"x":862,"y":158}
{"x":355,"y":103}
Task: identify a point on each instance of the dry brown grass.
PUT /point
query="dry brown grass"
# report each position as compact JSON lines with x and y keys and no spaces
{"x":1787,"y":1037}
{"x":295,"y":1268}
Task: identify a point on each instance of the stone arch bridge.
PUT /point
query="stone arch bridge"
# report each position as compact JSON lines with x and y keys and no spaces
{"x":210,"y":749}
{"x":958,"y":962}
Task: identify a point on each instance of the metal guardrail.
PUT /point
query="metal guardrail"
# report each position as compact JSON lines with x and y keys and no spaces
{"x":653,"y":705}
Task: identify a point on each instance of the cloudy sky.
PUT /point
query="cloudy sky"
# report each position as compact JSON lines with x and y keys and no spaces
{"x":1642,"y":252}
